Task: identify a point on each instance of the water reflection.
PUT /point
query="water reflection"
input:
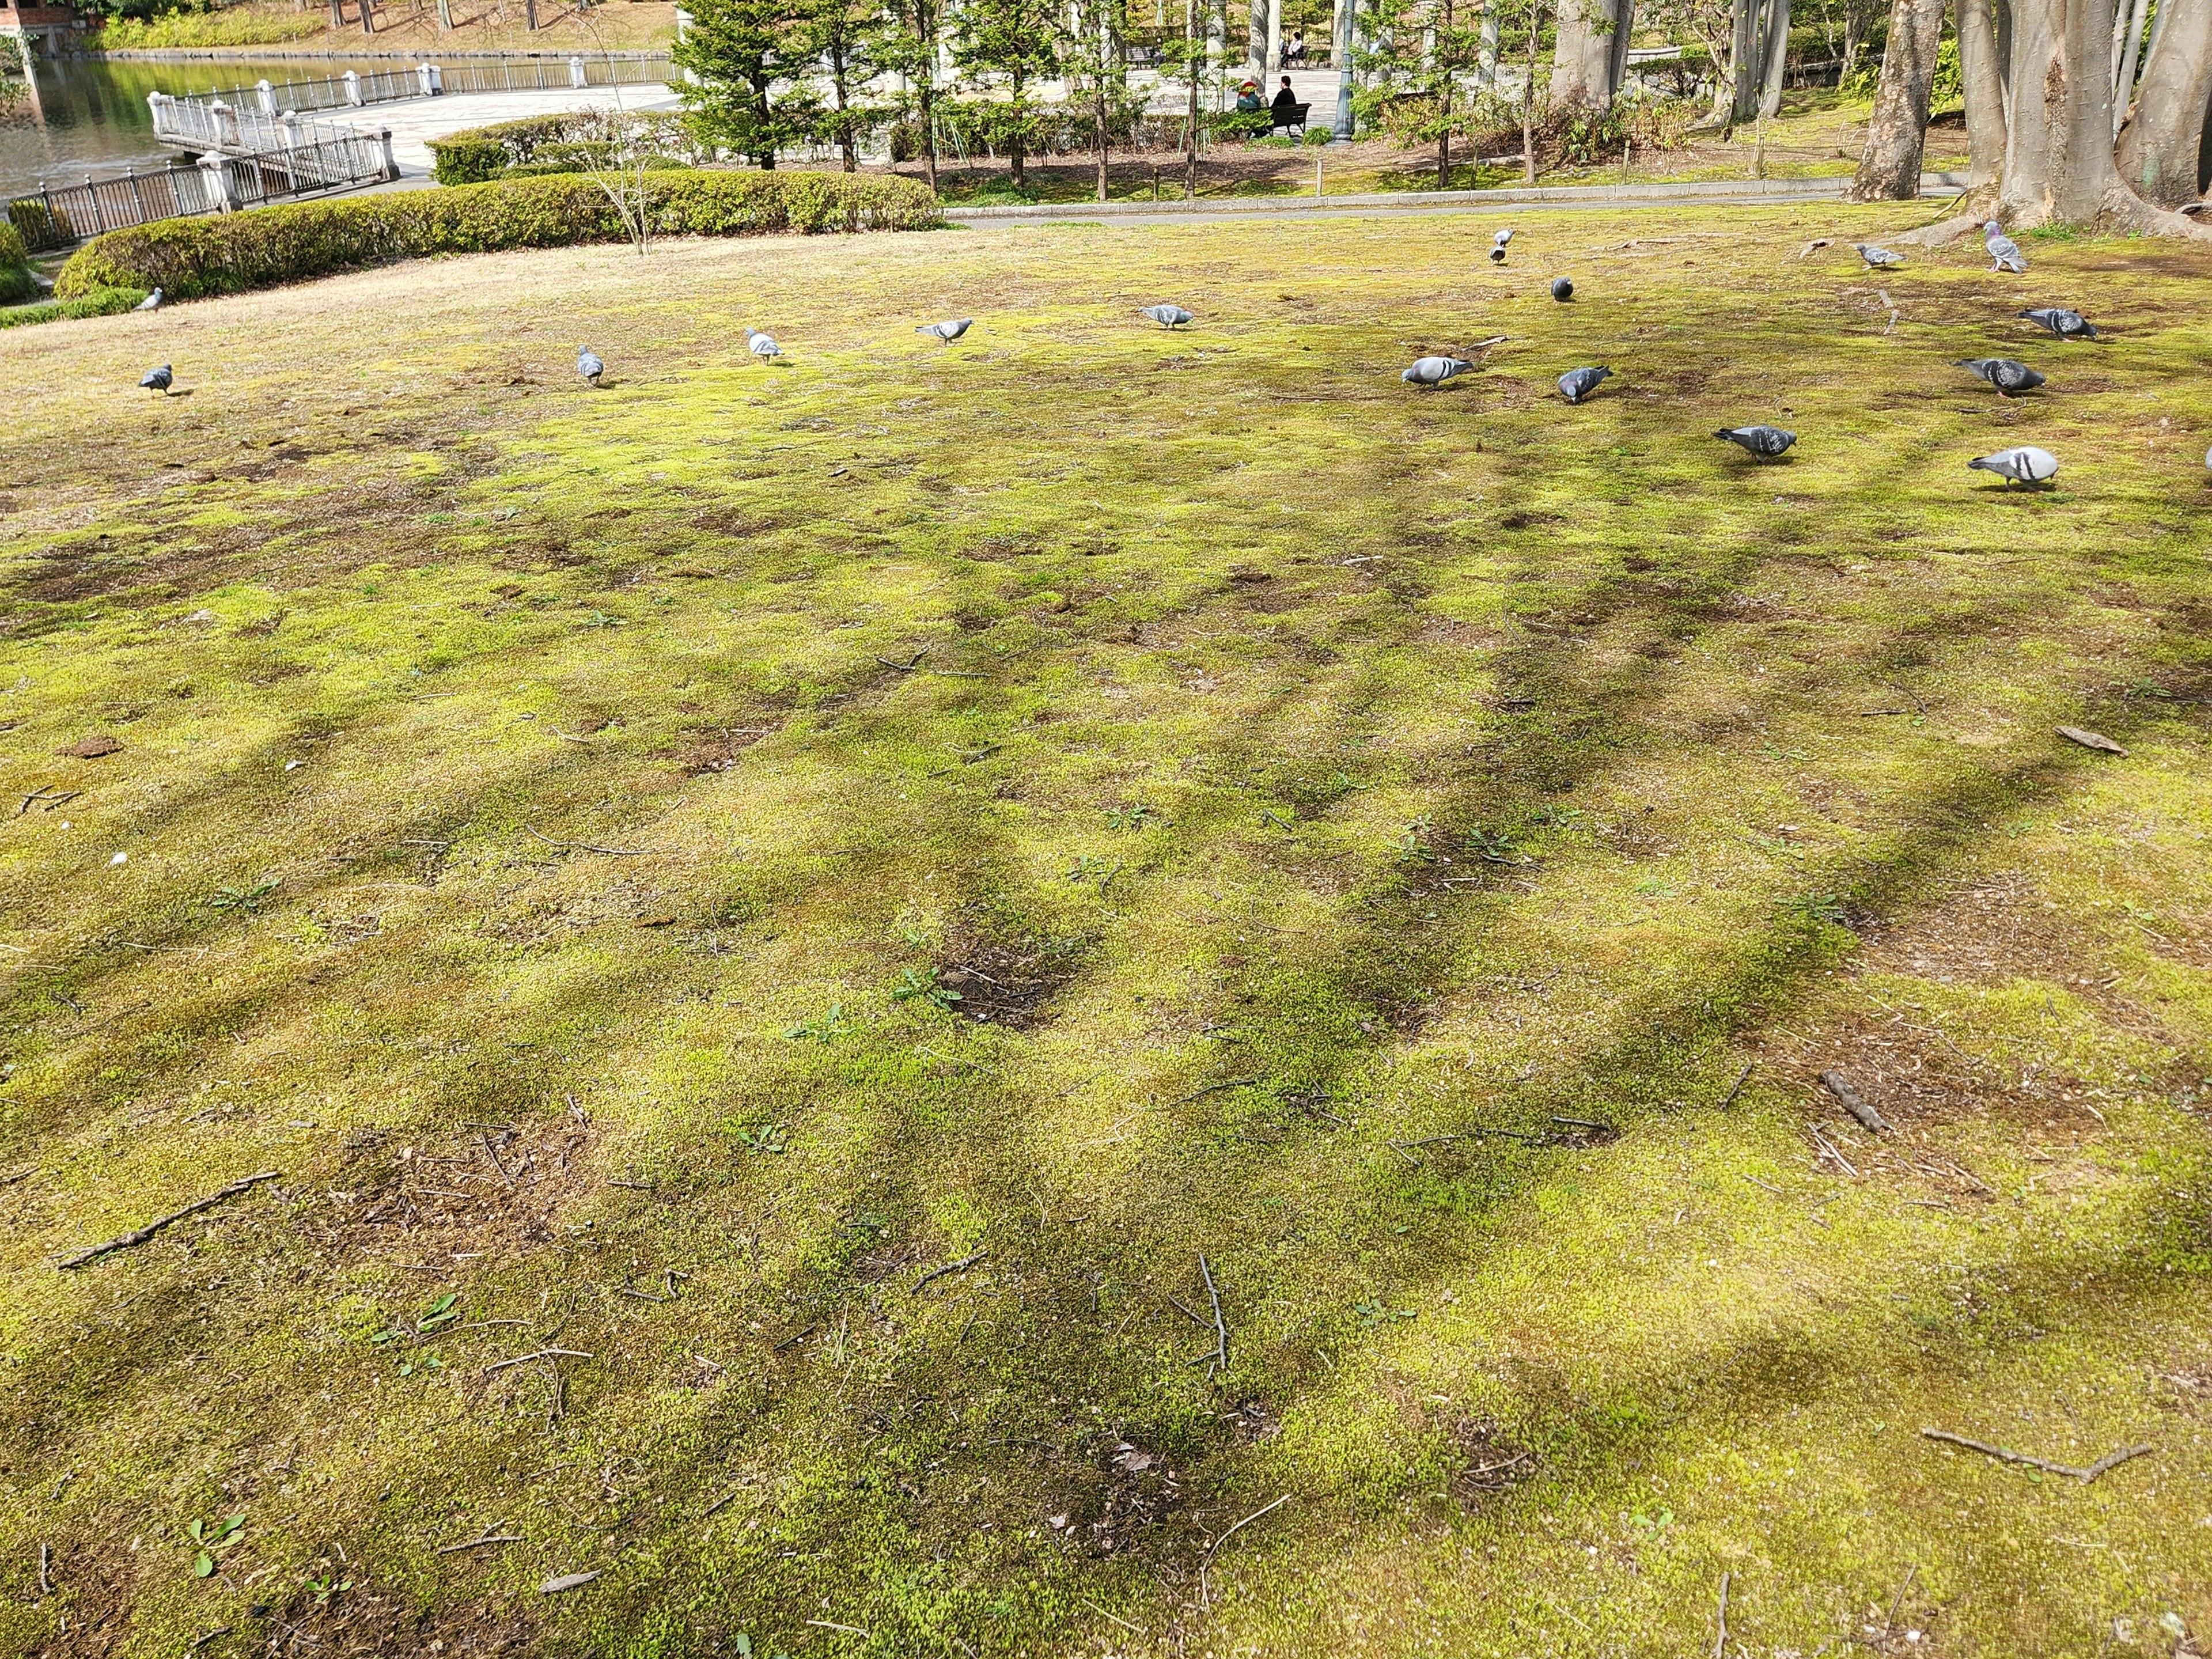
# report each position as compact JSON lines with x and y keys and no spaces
{"x":76,"y":115}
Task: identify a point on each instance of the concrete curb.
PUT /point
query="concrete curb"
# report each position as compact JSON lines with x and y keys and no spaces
{"x":1769,"y":191}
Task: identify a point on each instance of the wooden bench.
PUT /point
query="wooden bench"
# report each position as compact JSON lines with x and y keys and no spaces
{"x":1293,"y":116}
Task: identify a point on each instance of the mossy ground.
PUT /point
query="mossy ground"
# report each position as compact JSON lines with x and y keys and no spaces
{"x":1306,"y":774}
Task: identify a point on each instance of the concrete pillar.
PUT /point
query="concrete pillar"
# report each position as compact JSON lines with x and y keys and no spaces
{"x":352,"y":79}
{"x":391,"y":165}
{"x":576,"y":71}
{"x":437,"y":82}
{"x":422,"y":79}
{"x":288,"y":127}
{"x":266,"y":95}
{"x":158,"y":103}
{"x":218,"y":182}
{"x":226,"y":124}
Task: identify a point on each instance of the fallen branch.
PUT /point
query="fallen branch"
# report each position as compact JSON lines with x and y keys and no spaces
{"x":543,"y":1353}
{"x":485,"y":1542}
{"x":1209,"y":1089}
{"x":130,"y":1240}
{"x":45,"y":1570}
{"x":2109,"y":1460}
{"x":1736,"y":1088}
{"x":961,"y":1266}
{"x":1214,"y":1548}
{"x":586,"y":847}
{"x":1720,"y":1642}
{"x":1220,"y":1325}
{"x":1837,"y":1084}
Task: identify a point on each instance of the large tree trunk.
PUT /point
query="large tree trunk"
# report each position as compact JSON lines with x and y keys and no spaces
{"x":1775,"y":60}
{"x":1255,"y":43}
{"x":2058,"y":152}
{"x":1592,"y":37}
{"x":2161,"y":151}
{"x":1889,"y":171}
{"x":1743,"y":59}
{"x":1979,"y":67}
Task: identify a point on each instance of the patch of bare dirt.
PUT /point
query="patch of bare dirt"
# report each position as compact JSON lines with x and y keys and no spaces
{"x":483,"y":1194}
{"x":1140,"y":1488}
{"x":369,"y":1619}
{"x":1490,"y":1463}
{"x":1007,"y":985}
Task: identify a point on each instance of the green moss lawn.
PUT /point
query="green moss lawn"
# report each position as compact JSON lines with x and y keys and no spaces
{"x":810,"y":898}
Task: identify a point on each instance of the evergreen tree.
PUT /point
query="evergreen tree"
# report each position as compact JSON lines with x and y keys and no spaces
{"x":843,"y":36}
{"x":910,"y":47}
{"x":750,"y":61}
{"x":1020,"y":41}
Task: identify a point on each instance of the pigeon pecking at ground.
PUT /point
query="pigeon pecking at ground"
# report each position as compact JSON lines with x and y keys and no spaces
{"x":1880,"y":258}
{"x":2004,"y":253}
{"x":159,"y":379}
{"x":1577,"y":384}
{"x":761,"y":345}
{"x":1497,"y":245}
{"x":1167,"y":316}
{"x":152,"y":301}
{"x":2066,"y":325}
{"x":1562,"y":289}
{"x":2024,"y":465}
{"x":1765,"y":443}
{"x":2002,"y":373}
{"x":1435,"y":371}
{"x":588,"y":364}
{"x":947,"y":331}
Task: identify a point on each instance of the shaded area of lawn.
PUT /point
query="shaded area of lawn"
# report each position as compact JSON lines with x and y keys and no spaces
{"x":571,"y":836}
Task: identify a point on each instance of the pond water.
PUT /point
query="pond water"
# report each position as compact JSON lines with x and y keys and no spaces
{"x":75,"y":116}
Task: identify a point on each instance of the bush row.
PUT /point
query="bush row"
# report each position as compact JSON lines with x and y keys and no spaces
{"x":101,"y":302}
{"x":570,"y":141}
{"x":266,"y":247}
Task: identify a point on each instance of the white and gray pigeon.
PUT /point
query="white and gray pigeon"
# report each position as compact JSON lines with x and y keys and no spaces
{"x":588,"y":364}
{"x":1167,"y":316}
{"x":1435,"y":371}
{"x":1497,"y":245}
{"x":152,"y":301}
{"x":2066,"y":325}
{"x":2024,"y":466}
{"x":1577,"y":384}
{"x":2006,"y":375}
{"x":947,"y":331}
{"x":1765,"y":443}
{"x":761,"y":345}
{"x":159,"y":379}
{"x":2004,"y":253}
{"x":1878,"y":256}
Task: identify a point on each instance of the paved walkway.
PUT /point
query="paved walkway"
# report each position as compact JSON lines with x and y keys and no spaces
{"x":415,"y":121}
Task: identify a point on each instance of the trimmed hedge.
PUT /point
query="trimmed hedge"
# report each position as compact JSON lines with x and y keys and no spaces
{"x":266,"y":247}
{"x":101,"y":302}
{"x":12,"y":250}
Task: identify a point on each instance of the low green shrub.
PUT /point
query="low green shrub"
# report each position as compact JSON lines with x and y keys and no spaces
{"x":266,"y":247}
{"x":467,"y":160}
{"x":17,"y":284}
{"x":31,"y":222}
{"x":12,"y":250}
{"x":101,"y":302}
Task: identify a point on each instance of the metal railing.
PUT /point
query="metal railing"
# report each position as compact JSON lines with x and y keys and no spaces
{"x":241,"y":129}
{"x":534,"y":74}
{"x":338,"y":159}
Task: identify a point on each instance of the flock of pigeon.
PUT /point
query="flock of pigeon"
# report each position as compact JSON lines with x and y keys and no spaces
{"x":2022,"y":464}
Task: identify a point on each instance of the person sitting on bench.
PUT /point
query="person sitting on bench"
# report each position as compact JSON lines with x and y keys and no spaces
{"x":1248,"y":99}
{"x":1285,"y":106}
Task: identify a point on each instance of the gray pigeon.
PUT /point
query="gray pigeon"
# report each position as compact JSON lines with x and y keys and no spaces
{"x":1167,"y":316}
{"x":1435,"y":371}
{"x":1577,"y":384}
{"x":2004,"y":253}
{"x":761,"y":345}
{"x":1562,"y":289}
{"x":159,"y":379}
{"x":2066,"y":325}
{"x":947,"y":331}
{"x":1763,"y":441}
{"x":2002,"y":373}
{"x":2024,"y":466}
{"x":1880,"y":258}
{"x":1497,"y":245}
{"x":152,"y":301}
{"x":588,"y":364}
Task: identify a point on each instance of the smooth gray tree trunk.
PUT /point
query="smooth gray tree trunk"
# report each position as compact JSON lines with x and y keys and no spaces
{"x":2160,"y":152}
{"x":1774,"y":66}
{"x":2058,"y":153}
{"x":1889,"y":170}
{"x":1982,"y":71}
{"x":1592,"y":51}
{"x":1256,"y":44}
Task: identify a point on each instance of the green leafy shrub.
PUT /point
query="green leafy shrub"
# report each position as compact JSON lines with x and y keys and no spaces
{"x":12,"y":250}
{"x":16,"y":285}
{"x":101,"y":302}
{"x":31,"y":222}
{"x":234,"y":252}
{"x":241,"y":26}
{"x":468,"y":159}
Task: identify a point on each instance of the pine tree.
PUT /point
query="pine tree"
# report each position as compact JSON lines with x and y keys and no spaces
{"x":739,"y":52}
{"x":1019,"y":40}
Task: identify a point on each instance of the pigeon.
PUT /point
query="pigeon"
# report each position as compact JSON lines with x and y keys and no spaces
{"x":1763,"y":441}
{"x":2026,"y":464}
{"x":1562,"y":289}
{"x":1880,"y":258}
{"x":159,"y":379}
{"x":2065,"y":323}
{"x":152,"y":301}
{"x":1435,"y":371}
{"x":2004,"y":253}
{"x":588,"y":364}
{"x":1167,"y":316}
{"x":761,"y":345}
{"x":1497,"y":245}
{"x":947,"y":331}
{"x":2002,"y":373}
{"x":1577,"y":384}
